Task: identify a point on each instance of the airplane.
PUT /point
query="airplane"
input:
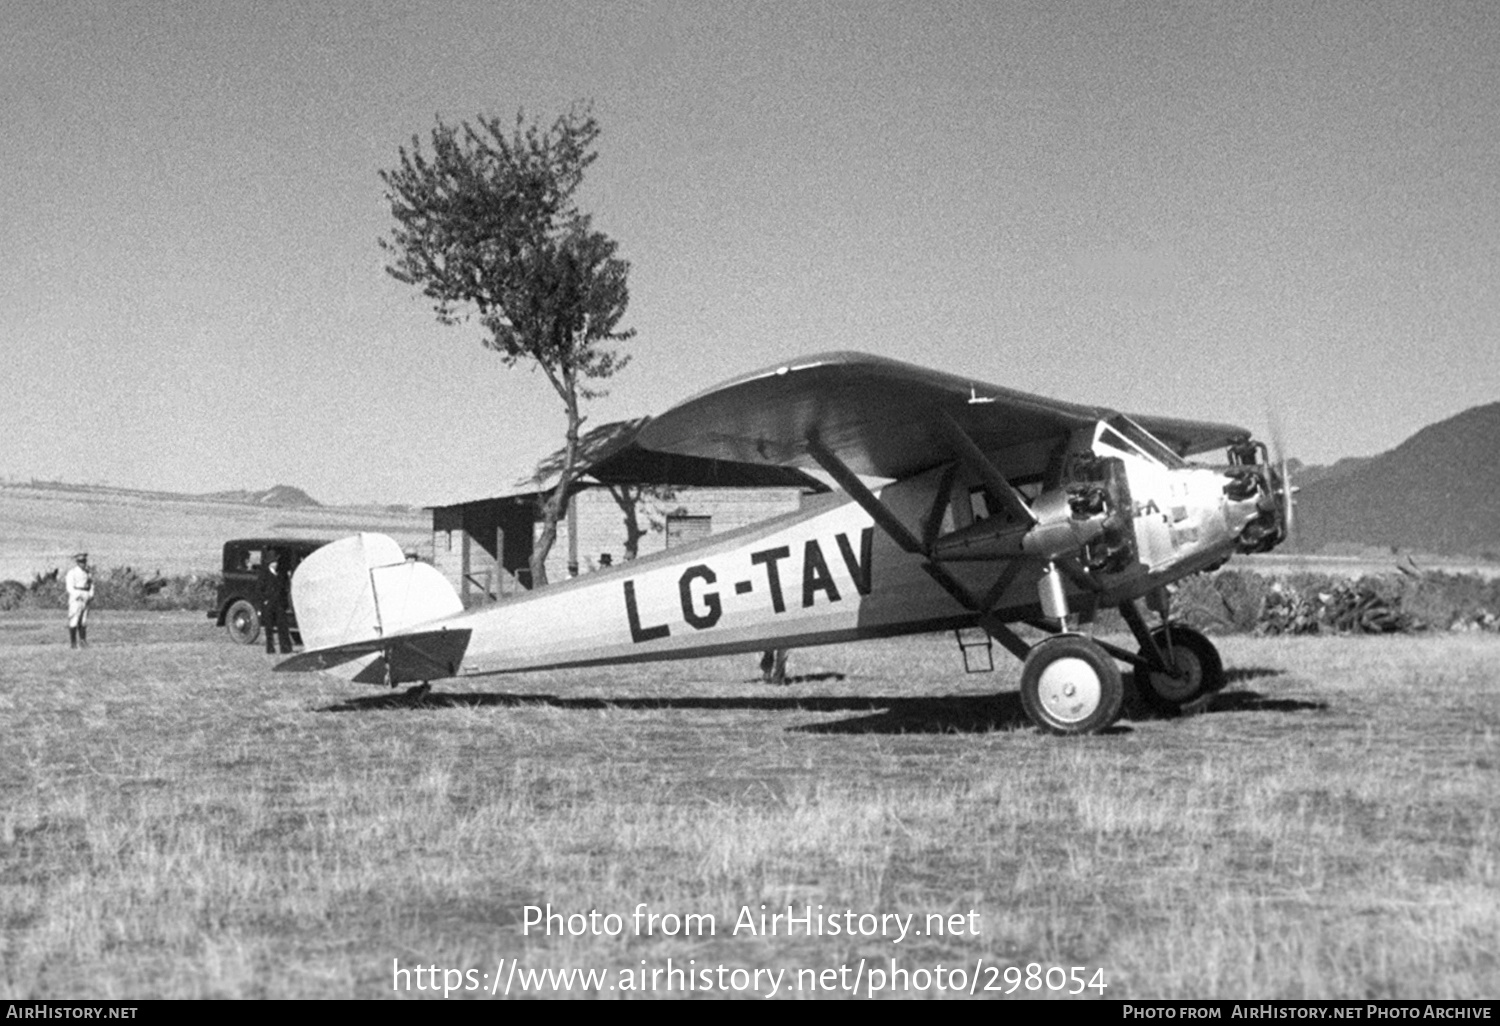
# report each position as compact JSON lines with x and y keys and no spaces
{"x":954,"y":514}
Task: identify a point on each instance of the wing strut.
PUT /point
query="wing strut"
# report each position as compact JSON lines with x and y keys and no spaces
{"x":941,"y":499}
{"x":898,"y":532}
{"x":851,"y":483}
{"x":1013,"y":501}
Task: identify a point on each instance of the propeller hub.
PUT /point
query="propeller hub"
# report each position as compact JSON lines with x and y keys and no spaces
{"x":1255,"y":476}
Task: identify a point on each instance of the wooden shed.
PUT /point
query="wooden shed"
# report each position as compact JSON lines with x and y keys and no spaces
{"x":484,"y":545}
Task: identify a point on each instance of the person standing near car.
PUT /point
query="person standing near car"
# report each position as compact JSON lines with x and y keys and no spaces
{"x":275,"y":592}
{"x":79,"y":582}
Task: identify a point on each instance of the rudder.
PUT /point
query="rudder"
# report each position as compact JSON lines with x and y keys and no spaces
{"x":363,"y":587}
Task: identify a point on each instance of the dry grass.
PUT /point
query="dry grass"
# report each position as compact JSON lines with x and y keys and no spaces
{"x":177,"y":821}
{"x":43,"y":527}
{"x":1376,"y":562}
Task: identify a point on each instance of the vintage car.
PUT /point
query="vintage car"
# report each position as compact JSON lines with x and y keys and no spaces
{"x":239,"y":601}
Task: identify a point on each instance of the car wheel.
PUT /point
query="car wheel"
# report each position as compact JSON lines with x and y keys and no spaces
{"x":242,"y":622}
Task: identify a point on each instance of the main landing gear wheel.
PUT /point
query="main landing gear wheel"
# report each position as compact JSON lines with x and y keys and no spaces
{"x":1070,"y":685}
{"x":1200,"y":671}
{"x":242,"y":622}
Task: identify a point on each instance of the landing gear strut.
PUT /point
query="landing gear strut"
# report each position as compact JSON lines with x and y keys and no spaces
{"x":1176,"y":665}
{"x":1195,"y":670}
{"x":1069,"y":683}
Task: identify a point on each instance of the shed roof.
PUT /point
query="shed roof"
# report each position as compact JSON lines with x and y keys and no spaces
{"x":609,"y":455}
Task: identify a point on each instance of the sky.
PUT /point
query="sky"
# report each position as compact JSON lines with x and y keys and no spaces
{"x":1282,"y":215}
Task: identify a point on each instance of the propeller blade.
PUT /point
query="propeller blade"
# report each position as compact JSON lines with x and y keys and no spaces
{"x":1289,"y":502}
{"x":1285,"y":498}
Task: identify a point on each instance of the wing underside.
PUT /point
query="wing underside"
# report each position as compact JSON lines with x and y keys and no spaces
{"x":881,"y":417}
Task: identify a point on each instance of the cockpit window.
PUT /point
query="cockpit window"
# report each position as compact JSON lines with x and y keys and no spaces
{"x":1139,"y":440}
{"x":1114,"y":441}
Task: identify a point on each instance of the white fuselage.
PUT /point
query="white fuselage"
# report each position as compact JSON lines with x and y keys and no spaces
{"x":825,"y":574}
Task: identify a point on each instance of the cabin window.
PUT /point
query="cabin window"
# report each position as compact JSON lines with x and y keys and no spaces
{"x":983,"y":504}
{"x":683,"y":529}
{"x":979,"y":503}
{"x":1114,"y":441}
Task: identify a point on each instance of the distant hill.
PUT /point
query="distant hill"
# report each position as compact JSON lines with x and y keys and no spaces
{"x":277,"y":495}
{"x":43,"y":523}
{"x":1439,"y":491}
{"x":1306,"y":475}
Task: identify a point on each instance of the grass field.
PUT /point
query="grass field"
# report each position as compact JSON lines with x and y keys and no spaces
{"x":177,"y":821}
{"x":1281,"y":564}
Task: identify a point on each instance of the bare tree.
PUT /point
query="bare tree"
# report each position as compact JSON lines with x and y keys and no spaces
{"x":487,"y":225}
{"x":632,"y":497}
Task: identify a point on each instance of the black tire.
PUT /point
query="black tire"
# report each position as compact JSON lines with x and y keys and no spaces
{"x":1202,"y":670}
{"x":242,"y":621}
{"x":1070,"y":685}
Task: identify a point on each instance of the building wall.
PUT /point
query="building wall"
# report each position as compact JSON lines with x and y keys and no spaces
{"x":601,"y":528}
{"x":601,"y":523}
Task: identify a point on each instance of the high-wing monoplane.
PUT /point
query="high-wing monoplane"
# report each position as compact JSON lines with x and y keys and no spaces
{"x":963,"y":506}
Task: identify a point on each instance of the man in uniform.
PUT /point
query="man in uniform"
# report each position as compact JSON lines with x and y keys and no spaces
{"x":275,"y":595}
{"x":79,"y":582}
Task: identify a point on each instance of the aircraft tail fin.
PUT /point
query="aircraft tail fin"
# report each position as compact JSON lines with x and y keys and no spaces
{"x":357,"y":594}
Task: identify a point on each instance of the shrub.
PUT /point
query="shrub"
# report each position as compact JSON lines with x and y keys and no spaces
{"x":1227,"y":602}
{"x":189,"y":591}
{"x":1238,"y":601}
{"x":120,"y":587}
{"x":1452,"y":601}
{"x":12,"y":595}
{"x":46,"y":592}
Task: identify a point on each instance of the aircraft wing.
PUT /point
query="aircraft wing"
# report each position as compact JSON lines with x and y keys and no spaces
{"x":881,"y":417}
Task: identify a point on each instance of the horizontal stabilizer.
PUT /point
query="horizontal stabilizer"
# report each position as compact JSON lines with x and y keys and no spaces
{"x":422,"y":656}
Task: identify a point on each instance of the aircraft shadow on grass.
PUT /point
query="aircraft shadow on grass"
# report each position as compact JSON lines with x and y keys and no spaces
{"x":949,"y":714}
{"x":894,"y":715}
